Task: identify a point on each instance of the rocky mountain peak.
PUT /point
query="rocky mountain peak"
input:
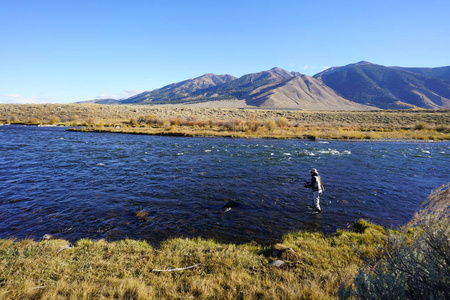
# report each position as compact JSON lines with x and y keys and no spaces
{"x":280,"y":72}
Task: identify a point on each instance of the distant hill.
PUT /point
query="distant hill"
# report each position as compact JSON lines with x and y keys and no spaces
{"x":209,"y":87}
{"x":247,"y":83}
{"x":388,"y":87}
{"x":439,"y":73}
{"x":353,"y":87}
{"x":274,"y":88}
{"x":191,"y":89}
{"x":302,"y":92}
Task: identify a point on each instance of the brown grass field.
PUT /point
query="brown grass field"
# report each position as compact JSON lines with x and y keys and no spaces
{"x":315,"y":268}
{"x":233,"y":122}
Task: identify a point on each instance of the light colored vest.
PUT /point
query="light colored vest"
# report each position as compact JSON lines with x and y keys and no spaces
{"x":318,"y":184}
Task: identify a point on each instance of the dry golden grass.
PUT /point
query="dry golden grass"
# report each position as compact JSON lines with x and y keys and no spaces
{"x":188,"y":121}
{"x":437,"y":206}
{"x":124,"y":269}
{"x":268,"y":130}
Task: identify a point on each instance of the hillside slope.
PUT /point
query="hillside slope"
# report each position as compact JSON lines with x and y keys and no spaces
{"x":439,"y":73}
{"x":301,"y":92}
{"x":387,"y":87}
{"x":176,"y":92}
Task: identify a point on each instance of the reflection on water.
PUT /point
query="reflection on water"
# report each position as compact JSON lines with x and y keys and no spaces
{"x":90,"y":185}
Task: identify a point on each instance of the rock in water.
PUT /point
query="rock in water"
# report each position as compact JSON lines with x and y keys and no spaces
{"x":230,"y":205}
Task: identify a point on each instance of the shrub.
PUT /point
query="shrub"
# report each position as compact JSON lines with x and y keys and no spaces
{"x":443,"y":129}
{"x":417,"y":269}
{"x":13,"y":118}
{"x":133,"y":122}
{"x":33,"y":121}
{"x":282,"y":122}
{"x":270,"y":125}
{"x":54,"y":120}
{"x":420,"y":126}
{"x":254,"y":125}
{"x":153,"y":119}
{"x":177,"y":121}
{"x":167,"y":126}
{"x":232,"y":125}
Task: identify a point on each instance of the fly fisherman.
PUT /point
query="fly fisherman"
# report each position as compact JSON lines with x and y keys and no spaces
{"x":317,"y":187}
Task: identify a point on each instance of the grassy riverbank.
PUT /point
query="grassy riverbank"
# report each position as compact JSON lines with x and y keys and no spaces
{"x":188,"y":121}
{"x":314,"y":269}
{"x":362,"y":262}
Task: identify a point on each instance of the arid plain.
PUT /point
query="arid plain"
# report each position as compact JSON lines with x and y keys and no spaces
{"x":236,"y":122}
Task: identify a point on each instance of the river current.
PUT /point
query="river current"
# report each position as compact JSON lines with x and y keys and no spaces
{"x":91,"y":185}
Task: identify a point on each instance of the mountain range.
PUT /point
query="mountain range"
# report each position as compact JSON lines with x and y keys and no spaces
{"x":359,"y":86}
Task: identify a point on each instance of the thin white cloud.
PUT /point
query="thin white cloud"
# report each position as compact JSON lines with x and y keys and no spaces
{"x":19,"y":99}
{"x":131,"y":93}
{"x":122,"y":95}
{"x":10,"y":95}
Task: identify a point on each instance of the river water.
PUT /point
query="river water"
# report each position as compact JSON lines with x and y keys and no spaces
{"x":90,"y":185}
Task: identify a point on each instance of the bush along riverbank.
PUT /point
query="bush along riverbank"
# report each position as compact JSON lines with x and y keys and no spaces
{"x":275,"y":128}
{"x":273,"y":131}
{"x":363,"y":261}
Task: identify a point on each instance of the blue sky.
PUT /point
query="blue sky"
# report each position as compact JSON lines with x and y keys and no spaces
{"x":66,"y":51}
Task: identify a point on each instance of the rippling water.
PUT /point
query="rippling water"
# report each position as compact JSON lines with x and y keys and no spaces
{"x":89,"y":185}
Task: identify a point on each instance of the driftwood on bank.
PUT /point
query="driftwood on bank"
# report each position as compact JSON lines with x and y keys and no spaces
{"x":176,"y":269}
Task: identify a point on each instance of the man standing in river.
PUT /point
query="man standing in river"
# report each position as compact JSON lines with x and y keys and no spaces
{"x":317,"y":187}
